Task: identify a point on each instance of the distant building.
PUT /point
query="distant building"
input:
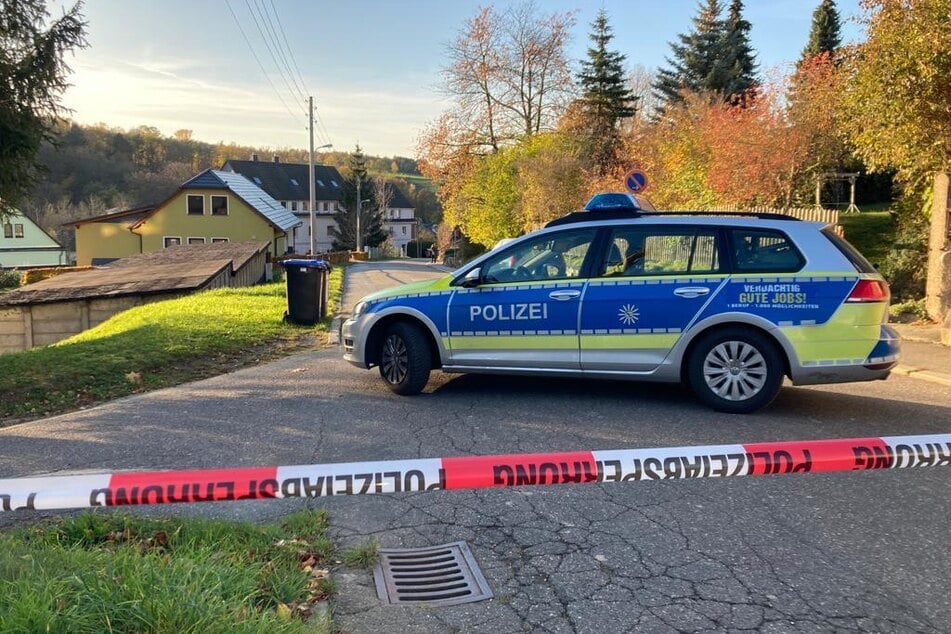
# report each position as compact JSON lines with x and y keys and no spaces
{"x":24,"y":244}
{"x":399,"y":218}
{"x":289,"y":183}
{"x":212,"y":207}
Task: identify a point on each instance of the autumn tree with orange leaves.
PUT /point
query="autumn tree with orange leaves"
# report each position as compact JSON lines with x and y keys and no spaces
{"x":509,"y":78}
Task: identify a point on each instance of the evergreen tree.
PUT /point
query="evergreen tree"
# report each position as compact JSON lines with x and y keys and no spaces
{"x":606,"y":98}
{"x":371,"y":218}
{"x":739,"y":60}
{"x":32,"y":77}
{"x":697,"y":63}
{"x":824,"y":37}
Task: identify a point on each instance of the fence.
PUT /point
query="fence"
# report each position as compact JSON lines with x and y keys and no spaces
{"x":810,"y":214}
{"x":334,"y":257}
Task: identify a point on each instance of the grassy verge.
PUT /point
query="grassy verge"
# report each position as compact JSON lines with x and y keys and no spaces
{"x":872,"y":233}
{"x":105,"y":573}
{"x":152,"y":346}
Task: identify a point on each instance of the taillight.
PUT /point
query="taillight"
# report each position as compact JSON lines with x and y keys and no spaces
{"x":868,"y":291}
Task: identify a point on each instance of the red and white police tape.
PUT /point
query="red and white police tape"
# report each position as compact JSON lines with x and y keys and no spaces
{"x":474,"y":472}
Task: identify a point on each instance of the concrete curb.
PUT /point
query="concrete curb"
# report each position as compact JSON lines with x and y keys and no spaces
{"x":923,"y":374}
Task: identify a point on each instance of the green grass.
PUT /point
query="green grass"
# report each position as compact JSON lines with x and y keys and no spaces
{"x":871,"y":232}
{"x":152,"y":346}
{"x":364,"y":556}
{"x":116,"y":573}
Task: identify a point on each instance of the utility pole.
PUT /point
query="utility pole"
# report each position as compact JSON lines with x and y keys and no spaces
{"x":310,"y":176}
{"x":359,"y":209}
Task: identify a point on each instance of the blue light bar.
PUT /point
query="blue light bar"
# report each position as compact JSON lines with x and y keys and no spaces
{"x":615,"y":201}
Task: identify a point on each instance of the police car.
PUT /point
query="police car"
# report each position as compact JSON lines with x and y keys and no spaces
{"x":726,"y":304}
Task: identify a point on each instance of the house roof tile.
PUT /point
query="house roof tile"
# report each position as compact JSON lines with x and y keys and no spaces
{"x":289,"y":181}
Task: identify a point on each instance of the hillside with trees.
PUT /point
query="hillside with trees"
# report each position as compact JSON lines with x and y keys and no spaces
{"x":88,"y":170}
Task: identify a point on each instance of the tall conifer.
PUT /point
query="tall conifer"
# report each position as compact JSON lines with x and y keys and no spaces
{"x":824,"y":36}
{"x":606,"y":97}
{"x":697,"y":63}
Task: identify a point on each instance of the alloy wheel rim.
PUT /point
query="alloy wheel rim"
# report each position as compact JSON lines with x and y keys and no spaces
{"x":395,"y":359}
{"x":735,"y":370}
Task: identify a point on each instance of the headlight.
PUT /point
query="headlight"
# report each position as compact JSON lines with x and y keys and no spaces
{"x":359,"y":308}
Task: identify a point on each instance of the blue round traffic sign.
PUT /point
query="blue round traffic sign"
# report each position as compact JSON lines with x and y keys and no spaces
{"x":635,"y":181}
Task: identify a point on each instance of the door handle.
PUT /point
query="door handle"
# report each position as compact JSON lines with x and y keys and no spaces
{"x":689,"y":292}
{"x":564,"y":295}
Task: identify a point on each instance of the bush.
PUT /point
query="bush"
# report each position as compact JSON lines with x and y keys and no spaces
{"x":9,"y":278}
{"x":909,"y":310}
{"x":906,"y":265}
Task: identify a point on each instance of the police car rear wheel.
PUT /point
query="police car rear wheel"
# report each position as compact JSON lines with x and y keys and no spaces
{"x":404,"y":359}
{"x":736,"y":370}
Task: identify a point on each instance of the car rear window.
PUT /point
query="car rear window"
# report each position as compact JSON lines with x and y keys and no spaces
{"x":851,"y":253}
{"x":765,"y":251}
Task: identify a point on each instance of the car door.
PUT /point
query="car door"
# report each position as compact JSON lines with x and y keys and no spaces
{"x":654,"y":281}
{"x":524,"y":312}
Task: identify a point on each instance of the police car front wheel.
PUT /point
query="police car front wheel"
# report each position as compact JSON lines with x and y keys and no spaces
{"x":405,"y":359}
{"x":736,"y":370}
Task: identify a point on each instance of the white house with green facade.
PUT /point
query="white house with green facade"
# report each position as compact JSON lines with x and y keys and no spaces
{"x":23,"y":244}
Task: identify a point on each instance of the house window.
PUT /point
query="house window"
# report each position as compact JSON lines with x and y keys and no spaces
{"x":284,"y":204}
{"x":304,"y":205}
{"x":196,"y":205}
{"x":217,"y":240}
{"x":321,"y":183}
{"x":219,"y":205}
{"x":329,"y":231}
{"x":323,"y":206}
{"x":404,"y":230}
{"x":257,"y":181}
{"x":196,"y":241}
{"x":293,"y":205}
{"x":172,"y":241}
{"x":334,"y":183}
{"x":8,"y":230}
{"x":17,"y":230}
{"x":295,"y":183}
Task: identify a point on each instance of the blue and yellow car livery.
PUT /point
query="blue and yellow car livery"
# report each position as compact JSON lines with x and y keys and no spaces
{"x":723,"y":303}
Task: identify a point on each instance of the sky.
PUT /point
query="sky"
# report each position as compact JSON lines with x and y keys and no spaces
{"x":372,"y":66}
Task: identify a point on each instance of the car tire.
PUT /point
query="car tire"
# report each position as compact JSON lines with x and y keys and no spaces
{"x":735,"y":370}
{"x":405,"y":359}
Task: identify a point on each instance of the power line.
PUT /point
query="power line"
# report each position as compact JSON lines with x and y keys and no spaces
{"x":256,"y":59}
{"x":280,"y":43}
{"x":321,"y":129}
{"x":289,"y":49}
{"x":264,"y":38}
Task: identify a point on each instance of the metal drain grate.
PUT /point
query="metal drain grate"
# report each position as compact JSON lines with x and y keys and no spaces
{"x":441,"y":575}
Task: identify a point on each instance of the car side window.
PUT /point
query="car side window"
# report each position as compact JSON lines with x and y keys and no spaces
{"x":764,"y":251}
{"x":554,"y":256}
{"x":636,"y":251}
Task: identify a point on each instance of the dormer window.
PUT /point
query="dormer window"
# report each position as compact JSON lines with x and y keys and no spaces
{"x":334,"y":183}
{"x":294,"y":182}
{"x":320,"y":182}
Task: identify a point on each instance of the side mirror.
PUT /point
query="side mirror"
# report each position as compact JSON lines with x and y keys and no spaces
{"x":473,"y":278}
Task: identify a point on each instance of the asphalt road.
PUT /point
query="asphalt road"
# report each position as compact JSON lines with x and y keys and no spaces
{"x":864,"y":551}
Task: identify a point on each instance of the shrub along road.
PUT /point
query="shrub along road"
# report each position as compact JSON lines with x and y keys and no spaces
{"x":816,"y":552}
